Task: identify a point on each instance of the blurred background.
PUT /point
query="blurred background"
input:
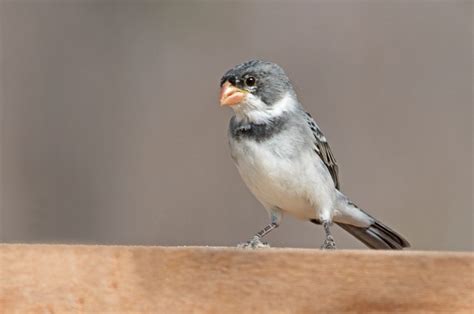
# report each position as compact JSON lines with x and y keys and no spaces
{"x":111,"y":130}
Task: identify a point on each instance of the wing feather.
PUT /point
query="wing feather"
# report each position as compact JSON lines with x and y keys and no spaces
{"x":323,"y":150}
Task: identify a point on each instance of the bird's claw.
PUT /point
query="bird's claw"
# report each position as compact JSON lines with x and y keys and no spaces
{"x":255,"y":243}
{"x":329,"y":243}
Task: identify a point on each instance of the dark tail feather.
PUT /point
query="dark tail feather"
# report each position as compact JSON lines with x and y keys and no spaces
{"x":377,"y":236}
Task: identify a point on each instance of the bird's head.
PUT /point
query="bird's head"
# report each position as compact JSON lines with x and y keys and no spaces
{"x":254,"y":85}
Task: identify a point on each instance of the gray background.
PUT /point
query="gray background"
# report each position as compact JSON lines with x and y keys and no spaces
{"x":111,"y":130}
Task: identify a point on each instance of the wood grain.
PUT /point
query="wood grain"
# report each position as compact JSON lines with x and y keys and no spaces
{"x":123,"y":279}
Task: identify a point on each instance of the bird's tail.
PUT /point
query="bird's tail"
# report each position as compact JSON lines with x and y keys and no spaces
{"x":377,"y":236}
{"x":366,"y":228}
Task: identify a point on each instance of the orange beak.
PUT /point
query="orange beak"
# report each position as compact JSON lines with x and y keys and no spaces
{"x":231,"y":95}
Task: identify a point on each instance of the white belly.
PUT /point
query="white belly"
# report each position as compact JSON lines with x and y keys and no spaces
{"x":285,"y":176}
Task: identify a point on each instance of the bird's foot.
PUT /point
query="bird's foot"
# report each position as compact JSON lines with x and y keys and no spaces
{"x":329,"y":243}
{"x":255,"y":243}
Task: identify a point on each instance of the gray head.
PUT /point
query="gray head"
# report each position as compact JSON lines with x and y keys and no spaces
{"x":263,"y":80}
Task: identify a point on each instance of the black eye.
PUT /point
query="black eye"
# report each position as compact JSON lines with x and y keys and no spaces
{"x":250,"y":81}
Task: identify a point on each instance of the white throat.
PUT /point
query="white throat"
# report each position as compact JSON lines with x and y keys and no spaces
{"x":256,"y":111}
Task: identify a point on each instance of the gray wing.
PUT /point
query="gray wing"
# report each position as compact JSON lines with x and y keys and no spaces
{"x":323,"y":150}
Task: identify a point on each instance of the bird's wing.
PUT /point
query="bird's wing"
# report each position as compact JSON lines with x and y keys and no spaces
{"x":323,"y":150}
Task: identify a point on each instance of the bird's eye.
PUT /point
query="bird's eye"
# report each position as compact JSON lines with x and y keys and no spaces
{"x":250,"y":81}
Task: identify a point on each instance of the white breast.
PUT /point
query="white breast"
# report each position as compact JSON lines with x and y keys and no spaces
{"x":284,"y":173}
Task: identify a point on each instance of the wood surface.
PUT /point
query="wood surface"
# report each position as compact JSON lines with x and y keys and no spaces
{"x":133,"y":279}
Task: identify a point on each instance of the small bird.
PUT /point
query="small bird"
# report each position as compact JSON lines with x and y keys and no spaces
{"x":285,"y":160}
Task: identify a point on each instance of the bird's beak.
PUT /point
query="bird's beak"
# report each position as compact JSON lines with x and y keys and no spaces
{"x":231,"y":95}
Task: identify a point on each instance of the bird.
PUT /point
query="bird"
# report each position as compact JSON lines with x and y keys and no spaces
{"x":285,"y":160}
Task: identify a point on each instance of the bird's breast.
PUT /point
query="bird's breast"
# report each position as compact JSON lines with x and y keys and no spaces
{"x":280,"y":172}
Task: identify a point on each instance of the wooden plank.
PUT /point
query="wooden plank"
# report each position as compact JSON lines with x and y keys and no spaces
{"x":123,"y":279}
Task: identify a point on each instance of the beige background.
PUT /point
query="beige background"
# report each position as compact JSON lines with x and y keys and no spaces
{"x":111,"y":130}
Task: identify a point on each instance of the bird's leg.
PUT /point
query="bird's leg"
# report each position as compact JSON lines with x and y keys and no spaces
{"x":329,"y":243}
{"x":256,"y":241}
